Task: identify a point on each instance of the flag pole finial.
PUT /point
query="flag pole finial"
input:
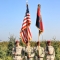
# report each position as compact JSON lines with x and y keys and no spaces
{"x":26,"y":2}
{"x":39,"y":5}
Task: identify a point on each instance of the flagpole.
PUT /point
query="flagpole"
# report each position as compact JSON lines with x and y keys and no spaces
{"x":27,"y":28}
{"x":27,"y":4}
{"x":38,"y":30}
{"x":38,"y":35}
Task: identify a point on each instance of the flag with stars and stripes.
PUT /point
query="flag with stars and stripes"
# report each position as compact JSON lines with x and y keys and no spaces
{"x":25,"y":32}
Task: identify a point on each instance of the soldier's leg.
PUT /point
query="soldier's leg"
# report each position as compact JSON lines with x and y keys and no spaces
{"x":52,"y":58}
{"x":29,"y":59}
{"x":48,"y":58}
{"x":25,"y":58}
{"x":19,"y":58}
{"x":32,"y":58}
{"x":36,"y":58}
{"x":40,"y":58}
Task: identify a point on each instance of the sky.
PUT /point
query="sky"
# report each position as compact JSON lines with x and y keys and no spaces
{"x":12,"y":13}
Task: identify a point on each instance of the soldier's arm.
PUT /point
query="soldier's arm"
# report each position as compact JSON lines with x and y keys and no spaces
{"x":26,"y":51}
{"x":46,"y":51}
{"x":13,"y":51}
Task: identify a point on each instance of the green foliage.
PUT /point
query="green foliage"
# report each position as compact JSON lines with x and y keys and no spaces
{"x":33,"y":43}
{"x":56,"y":45}
{"x":8,"y":58}
{"x":6,"y":48}
{"x":21,"y":43}
{"x":9,"y":51}
{"x":11,"y":45}
{"x":2,"y":53}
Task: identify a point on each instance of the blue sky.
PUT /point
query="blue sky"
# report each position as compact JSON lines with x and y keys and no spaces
{"x":12,"y":13}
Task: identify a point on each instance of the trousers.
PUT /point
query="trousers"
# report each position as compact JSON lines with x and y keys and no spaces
{"x":50,"y":57}
{"x":17,"y":58}
{"x":36,"y":58}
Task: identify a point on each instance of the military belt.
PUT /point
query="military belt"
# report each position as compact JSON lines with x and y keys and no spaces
{"x":30,"y":57}
{"x":40,"y":57}
{"x":50,"y":54}
{"x":17,"y":55}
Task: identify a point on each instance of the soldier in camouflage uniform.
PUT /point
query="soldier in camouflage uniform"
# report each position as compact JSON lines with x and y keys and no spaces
{"x":50,"y":52}
{"x":39,"y":52}
{"x":16,"y":51}
{"x":29,"y":52}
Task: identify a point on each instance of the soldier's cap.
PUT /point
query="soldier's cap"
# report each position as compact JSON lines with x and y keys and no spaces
{"x":48,"y":42}
{"x":16,"y":41}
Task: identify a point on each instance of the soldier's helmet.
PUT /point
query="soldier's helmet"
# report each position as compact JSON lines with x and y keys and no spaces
{"x":16,"y":41}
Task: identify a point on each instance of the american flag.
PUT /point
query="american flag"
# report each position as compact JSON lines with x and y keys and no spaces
{"x":25,"y":32}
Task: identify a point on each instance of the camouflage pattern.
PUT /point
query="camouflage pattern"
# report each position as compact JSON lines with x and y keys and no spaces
{"x":50,"y":54}
{"x":17,"y":53}
{"x":29,"y":53}
{"x":39,"y":53}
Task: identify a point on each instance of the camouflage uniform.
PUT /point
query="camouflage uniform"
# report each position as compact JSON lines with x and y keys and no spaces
{"x":17,"y":53}
{"x":39,"y":52}
{"x":50,"y":53}
{"x":29,"y":53}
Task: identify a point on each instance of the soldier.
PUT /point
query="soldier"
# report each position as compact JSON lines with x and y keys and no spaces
{"x":29,"y":52}
{"x":50,"y":52}
{"x":39,"y":52}
{"x":17,"y":51}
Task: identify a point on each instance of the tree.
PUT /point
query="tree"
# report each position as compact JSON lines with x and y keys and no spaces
{"x":1,"y":53}
{"x":11,"y":45}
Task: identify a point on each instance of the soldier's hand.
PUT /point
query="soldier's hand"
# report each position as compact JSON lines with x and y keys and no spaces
{"x":48,"y":53}
{"x":14,"y":53}
{"x":28,"y":56}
